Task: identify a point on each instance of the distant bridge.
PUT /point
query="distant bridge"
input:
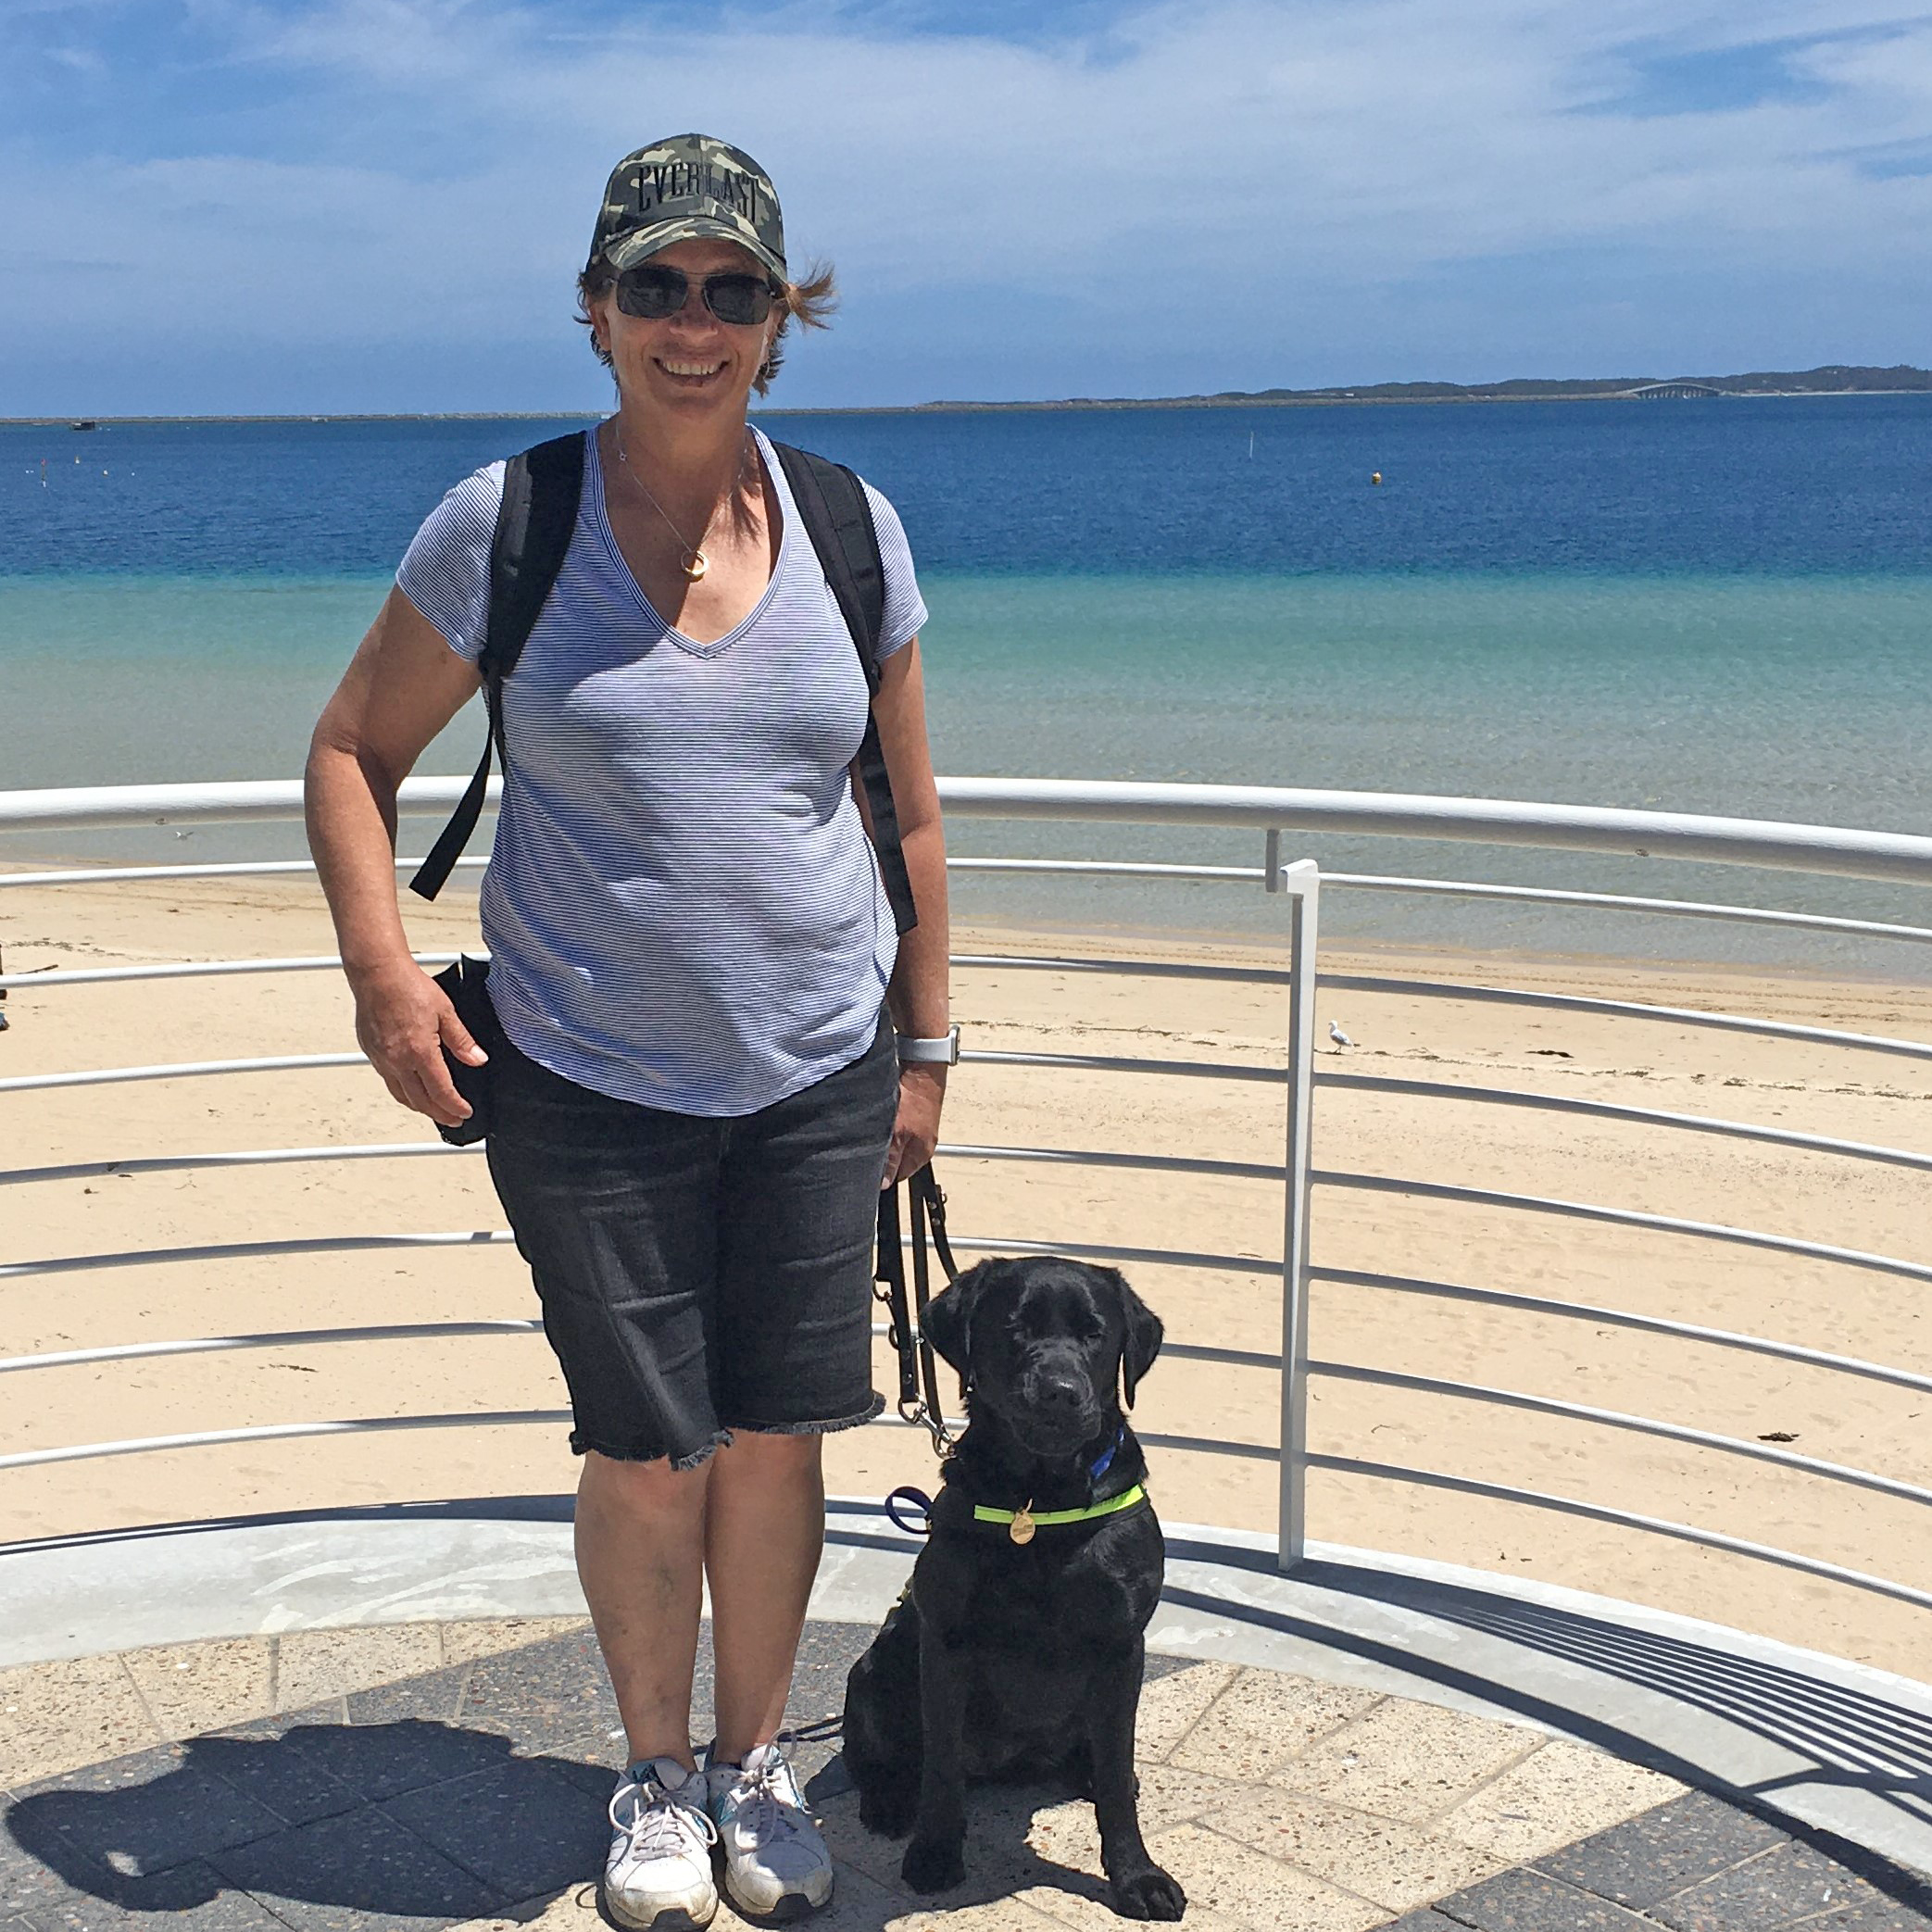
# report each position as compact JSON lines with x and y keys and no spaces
{"x":1663,"y":392}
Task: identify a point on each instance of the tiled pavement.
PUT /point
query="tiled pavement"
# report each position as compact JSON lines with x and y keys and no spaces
{"x":422,"y":1778}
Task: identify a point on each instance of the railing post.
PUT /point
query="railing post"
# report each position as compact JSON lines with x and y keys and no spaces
{"x":1302,"y":882}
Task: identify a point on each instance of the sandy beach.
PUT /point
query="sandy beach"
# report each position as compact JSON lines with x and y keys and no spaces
{"x":1858,"y":1095}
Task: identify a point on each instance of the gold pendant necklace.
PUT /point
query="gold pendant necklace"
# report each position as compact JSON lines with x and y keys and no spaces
{"x":692,"y":561}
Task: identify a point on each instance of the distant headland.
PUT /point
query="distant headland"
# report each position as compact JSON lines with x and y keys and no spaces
{"x":1833,"y":378}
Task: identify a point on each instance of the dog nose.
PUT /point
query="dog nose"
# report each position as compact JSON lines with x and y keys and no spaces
{"x":1059,"y":1396}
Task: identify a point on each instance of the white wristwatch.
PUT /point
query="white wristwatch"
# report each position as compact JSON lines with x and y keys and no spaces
{"x":942,"y":1052}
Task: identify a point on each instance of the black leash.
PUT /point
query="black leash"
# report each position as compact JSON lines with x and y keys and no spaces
{"x":918,"y":1369}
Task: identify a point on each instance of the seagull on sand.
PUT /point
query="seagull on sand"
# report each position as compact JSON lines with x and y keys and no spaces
{"x":1339,"y":1037}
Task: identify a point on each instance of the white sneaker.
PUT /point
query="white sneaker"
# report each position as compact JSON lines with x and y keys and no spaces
{"x":657,"y":1878}
{"x":776,"y":1866}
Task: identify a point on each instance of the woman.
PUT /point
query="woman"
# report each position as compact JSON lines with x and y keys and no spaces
{"x":698,"y":1098}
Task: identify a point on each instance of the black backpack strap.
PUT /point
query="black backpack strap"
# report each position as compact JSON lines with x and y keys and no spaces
{"x":541,"y":488}
{"x":833,"y":505}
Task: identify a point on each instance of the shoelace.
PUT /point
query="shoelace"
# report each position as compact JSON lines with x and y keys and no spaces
{"x":770,"y":1795}
{"x":660,"y":1820}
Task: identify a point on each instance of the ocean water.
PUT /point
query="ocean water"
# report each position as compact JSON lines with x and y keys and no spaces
{"x":1718,"y":606}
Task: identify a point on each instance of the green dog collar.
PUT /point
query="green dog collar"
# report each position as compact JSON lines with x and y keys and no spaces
{"x":1021,"y":1523}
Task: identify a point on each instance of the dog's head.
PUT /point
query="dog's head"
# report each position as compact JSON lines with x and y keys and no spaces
{"x":1044,"y":1342}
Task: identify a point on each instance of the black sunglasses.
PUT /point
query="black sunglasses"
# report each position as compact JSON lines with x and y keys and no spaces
{"x":653,"y":291}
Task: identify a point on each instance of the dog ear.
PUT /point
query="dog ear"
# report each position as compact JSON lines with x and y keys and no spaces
{"x":948,"y":1318}
{"x":1143,"y":1334}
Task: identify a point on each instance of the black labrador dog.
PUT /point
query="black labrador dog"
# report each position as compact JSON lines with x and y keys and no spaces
{"x":1016,"y":1652}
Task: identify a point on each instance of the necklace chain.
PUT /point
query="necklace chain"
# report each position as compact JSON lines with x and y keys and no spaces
{"x":692,"y":562}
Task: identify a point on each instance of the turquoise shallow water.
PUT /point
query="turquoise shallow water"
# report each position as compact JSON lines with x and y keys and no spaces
{"x":1721,"y":607}
{"x":1797,"y":699}
{"x":1800,"y":698}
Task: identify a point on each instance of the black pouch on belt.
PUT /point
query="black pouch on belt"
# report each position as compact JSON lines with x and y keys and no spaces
{"x":464,"y":981}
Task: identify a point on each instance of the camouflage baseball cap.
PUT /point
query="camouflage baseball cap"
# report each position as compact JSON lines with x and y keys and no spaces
{"x":691,"y":187}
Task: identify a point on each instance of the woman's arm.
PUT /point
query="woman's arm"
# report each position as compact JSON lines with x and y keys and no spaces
{"x":402,"y":687}
{"x":917,"y":997}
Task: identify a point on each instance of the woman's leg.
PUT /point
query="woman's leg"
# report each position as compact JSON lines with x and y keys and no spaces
{"x":797,"y":1217}
{"x":640,"y":1557}
{"x":614,"y":1207}
{"x":764,"y":1528}
{"x":752,"y":1518}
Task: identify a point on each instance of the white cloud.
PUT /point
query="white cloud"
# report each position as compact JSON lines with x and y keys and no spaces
{"x":1180,"y":186}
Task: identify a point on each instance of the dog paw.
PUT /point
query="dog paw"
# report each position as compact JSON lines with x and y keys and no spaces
{"x":887,"y":1810}
{"x":934,"y":1864}
{"x":1149,"y":1895}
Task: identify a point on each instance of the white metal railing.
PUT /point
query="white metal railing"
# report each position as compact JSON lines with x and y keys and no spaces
{"x":1819,"y":850}
{"x":1898,"y":855}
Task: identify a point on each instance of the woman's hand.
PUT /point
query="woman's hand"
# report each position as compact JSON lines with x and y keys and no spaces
{"x":916,"y":1131}
{"x":403,"y":1022}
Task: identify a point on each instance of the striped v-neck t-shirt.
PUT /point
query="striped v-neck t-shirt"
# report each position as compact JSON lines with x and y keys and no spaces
{"x":682,"y":904}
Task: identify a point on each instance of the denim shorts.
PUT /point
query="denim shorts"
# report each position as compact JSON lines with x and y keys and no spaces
{"x":699,"y":1276}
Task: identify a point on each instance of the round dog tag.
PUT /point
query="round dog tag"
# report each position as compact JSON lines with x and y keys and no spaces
{"x":1021,"y":1527}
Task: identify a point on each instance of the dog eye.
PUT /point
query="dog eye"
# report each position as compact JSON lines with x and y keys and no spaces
{"x":1062,"y":1324}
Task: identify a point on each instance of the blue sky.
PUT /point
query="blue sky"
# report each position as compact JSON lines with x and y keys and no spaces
{"x":236,"y":206}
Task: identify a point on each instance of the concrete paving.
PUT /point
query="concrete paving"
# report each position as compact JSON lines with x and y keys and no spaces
{"x":416,"y":1778}
{"x":1834,"y":1747}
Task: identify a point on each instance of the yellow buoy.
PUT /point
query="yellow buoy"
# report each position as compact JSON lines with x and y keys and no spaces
{"x":1376,"y":477}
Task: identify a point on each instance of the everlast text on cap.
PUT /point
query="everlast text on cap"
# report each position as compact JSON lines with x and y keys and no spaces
{"x":691,"y":187}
